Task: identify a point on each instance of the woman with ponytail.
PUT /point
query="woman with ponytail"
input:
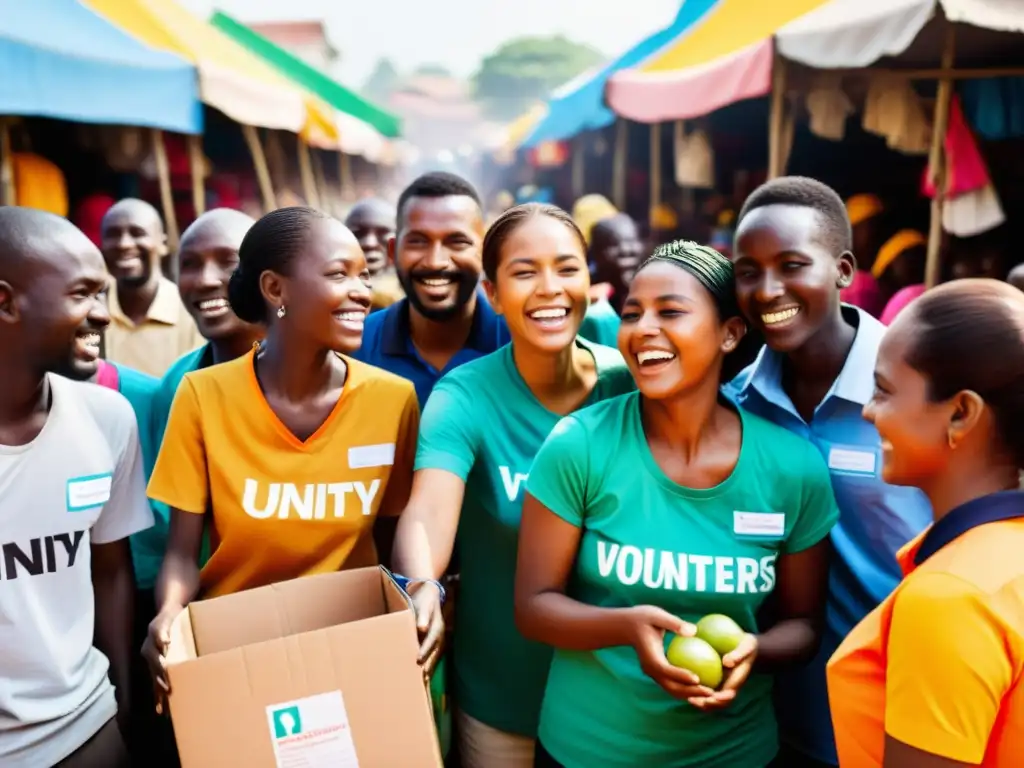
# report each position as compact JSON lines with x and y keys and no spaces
{"x":645,"y":513}
{"x":297,"y":454}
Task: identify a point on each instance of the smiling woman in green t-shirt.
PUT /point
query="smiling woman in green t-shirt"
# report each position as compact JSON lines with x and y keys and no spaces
{"x":480,"y":430}
{"x":648,"y":511}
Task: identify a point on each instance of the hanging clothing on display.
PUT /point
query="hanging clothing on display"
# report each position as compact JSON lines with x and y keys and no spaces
{"x":828,"y":107}
{"x":893,"y":110}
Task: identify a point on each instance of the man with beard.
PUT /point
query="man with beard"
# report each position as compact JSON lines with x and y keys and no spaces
{"x":71,"y":493}
{"x":372,"y":221}
{"x":150,"y":328}
{"x":443,"y":322}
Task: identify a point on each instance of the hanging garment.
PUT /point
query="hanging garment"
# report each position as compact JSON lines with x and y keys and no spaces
{"x":38,"y":183}
{"x":972,"y":205}
{"x":994,"y":106}
{"x":828,"y":107}
{"x":893,"y":109}
{"x":694,"y":158}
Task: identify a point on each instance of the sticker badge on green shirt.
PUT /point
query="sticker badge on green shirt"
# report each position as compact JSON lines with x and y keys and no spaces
{"x":483,"y":424}
{"x":645,"y":540}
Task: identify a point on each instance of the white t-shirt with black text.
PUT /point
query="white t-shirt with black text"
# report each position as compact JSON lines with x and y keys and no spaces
{"x":79,"y":482}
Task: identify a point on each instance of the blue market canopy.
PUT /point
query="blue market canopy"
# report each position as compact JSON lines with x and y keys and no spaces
{"x":584,"y":108}
{"x":59,"y":59}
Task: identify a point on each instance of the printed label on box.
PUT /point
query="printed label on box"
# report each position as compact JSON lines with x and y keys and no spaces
{"x":312,"y":733}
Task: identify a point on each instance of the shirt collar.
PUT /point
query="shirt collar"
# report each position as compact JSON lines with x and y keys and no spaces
{"x":1004,"y":505}
{"x":396,"y":334}
{"x":856,"y":381}
{"x":166,"y":307}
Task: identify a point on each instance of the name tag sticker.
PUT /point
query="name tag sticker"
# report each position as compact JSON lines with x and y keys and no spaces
{"x":89,"y":492}
{"x":363,"y":456}
{"x":759,"y":523}
{"x":852,"y":460}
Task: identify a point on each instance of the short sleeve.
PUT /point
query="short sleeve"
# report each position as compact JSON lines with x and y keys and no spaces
{"x":947,"y":669}
{"x":450,"y":431}
{"x":818,"y":508}
{"x":558,"y":476}
{"x":127,"y":510}
{"x":180,"y":478}
{"x":396,"y":496}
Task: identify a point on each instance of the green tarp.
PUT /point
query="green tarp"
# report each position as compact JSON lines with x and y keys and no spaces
{"x":335,"y":94}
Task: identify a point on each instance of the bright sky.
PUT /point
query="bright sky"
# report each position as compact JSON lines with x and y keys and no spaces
{"x":454,"y":33}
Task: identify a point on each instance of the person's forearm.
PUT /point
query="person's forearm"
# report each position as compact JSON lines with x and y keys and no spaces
{"x":178,"y":583}
{"x":561,"y":622}
{"x":114,"y":591}
{"x":788,"y":643}
{"x":417,"y":553}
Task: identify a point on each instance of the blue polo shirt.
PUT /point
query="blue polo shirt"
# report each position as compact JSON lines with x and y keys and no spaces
{"x":387,"y":344}
{"x":875,"y":519}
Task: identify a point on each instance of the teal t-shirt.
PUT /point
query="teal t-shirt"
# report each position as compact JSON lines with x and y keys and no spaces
{"x":648,"y":541}
{"x":483,"y":424}
{"x":149,"y":546}
{"x":601,"y":324}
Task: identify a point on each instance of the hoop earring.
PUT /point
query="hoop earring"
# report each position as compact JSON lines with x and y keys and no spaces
{"x":281,"y":312}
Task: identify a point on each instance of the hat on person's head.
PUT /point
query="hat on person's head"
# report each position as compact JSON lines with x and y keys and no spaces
{"x":894,"y":247}
{"x":862,"y":207}
{"x":591,"y":209}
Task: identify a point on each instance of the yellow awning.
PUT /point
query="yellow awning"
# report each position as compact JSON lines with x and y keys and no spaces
{"x":231,"y":79}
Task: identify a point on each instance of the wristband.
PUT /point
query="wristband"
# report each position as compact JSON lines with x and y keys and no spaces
{"x":405,"y":582}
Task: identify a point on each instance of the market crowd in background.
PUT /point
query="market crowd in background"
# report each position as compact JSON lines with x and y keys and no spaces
{"x":587,"y":435}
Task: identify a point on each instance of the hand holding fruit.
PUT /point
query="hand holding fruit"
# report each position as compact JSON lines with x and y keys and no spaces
{"x":721,"y":654}
{"x":647,"y":626}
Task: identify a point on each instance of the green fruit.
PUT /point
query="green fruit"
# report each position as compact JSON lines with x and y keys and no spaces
{"x":697,"y":656}
{"x":720,"y":632}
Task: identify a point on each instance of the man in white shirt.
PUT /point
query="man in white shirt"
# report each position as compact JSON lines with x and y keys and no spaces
{"x":71,"y":493}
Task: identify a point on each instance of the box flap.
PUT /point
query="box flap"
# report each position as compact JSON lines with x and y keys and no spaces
{"x":287,"y":608}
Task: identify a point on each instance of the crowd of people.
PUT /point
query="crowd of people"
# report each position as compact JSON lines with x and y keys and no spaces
{"x":568,"y":453}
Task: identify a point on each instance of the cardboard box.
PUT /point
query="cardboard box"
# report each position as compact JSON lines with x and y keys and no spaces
{"x":316,"y":672}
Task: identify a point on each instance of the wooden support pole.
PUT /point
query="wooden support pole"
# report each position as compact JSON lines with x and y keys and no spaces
{"x":306,"y":174}
{"x":938,"y":162}
{"x":776,"y":167}
{"x":259,"y":160}
{"x":579,"y":168}
{"x":344,"y":175}
{"x":655,"y":171}
{"x":163,"y":170}
{"x":7,"y":192}
{"x":620,"y":162}
{"x":196,"y":170}
{"x":321,"y":183}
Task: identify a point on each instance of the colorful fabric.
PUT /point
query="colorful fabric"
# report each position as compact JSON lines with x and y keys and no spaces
{"x":649,"y":541}
{"x":282,"y":507}
{"x":899,"y":302}
{"x":894,"y":247}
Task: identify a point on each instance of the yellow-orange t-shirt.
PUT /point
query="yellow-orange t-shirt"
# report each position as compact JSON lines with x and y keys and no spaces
{"x":939,"y":664}
{"x":283,"y":508}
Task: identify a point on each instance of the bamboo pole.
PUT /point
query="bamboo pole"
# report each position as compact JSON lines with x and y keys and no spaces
{"x":195,"y":163}
{"x":579,"y":169}
{"x":259,"y":160}
{"x":620,"y":162}
{"x":776,"y":167}
{"x":306,"y":174}
{"x":163,"y":170}
{"x":344,"y":175}
{"x":7,"y":192}
{"x":937,"y":161}
{"x":655,"y":172}
{"x":321,"y":183}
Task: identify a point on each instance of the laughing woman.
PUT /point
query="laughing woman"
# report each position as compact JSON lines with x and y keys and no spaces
{"x":932,"y":678}
{"x":481,"y":428}
{"x":712,"y":511}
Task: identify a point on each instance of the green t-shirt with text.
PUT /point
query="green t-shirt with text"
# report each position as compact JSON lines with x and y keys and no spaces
{"x":483,"y":424}
{"x":649,"y":541}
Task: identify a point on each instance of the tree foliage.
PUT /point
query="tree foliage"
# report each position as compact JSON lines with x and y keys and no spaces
{"x":382,"y":82}
{"x":526,"y":70}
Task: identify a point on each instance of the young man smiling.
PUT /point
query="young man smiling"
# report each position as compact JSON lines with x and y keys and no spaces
{"x":444,"y":321}
{"x":72,"y":491}
{"x":793,"y":257}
